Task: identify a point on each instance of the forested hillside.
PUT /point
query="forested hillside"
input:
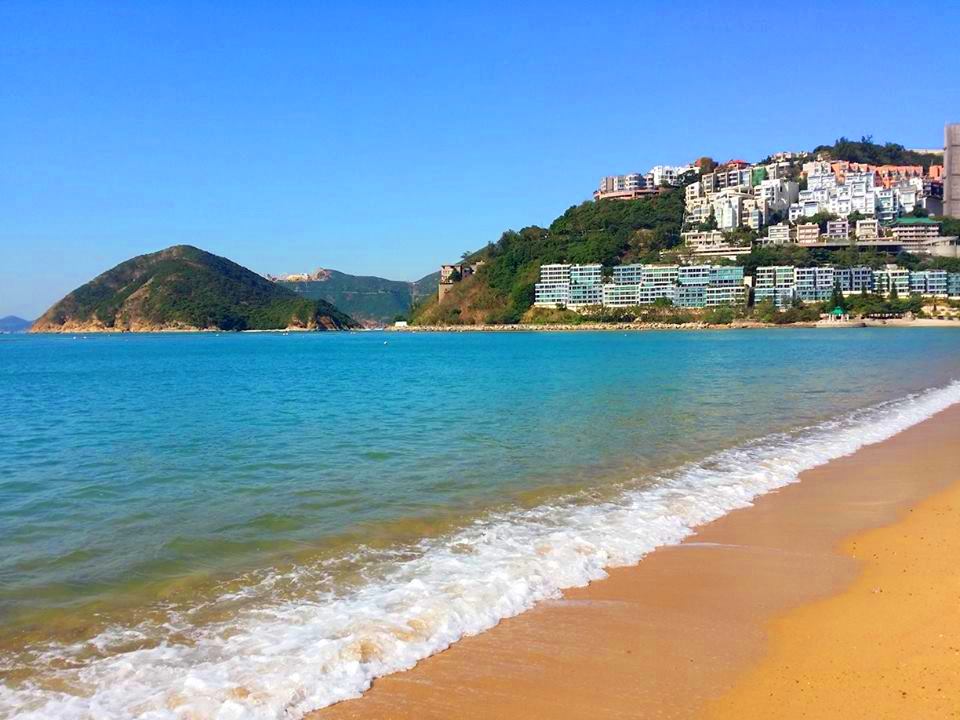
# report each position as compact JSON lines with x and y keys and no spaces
{"x":608,"y":232}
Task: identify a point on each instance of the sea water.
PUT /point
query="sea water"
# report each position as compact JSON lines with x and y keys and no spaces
{"x":257,"y":525}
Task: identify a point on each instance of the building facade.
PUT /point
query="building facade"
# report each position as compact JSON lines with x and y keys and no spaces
{"x":689,"y":286}
{"x":951,"y":171}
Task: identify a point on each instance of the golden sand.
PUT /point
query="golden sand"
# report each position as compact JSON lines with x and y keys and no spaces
{"x":888,"y":647}
{"x":685,"y":633}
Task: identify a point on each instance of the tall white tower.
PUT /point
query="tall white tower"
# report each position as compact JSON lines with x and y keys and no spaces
{"x":951,"y":170}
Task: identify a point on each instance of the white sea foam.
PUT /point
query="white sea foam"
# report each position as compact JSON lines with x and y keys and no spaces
{"x":284,"y":660}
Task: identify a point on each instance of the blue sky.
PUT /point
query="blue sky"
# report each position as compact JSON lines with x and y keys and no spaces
{"x":380,"y":139}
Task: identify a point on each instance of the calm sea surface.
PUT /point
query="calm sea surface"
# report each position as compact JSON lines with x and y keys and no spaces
{"x":157,"y":490}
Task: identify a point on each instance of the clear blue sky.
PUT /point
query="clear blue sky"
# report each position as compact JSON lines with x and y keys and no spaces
{"x":379,"y":139}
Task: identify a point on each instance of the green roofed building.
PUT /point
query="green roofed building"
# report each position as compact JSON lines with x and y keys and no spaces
{"x":911,"y":229}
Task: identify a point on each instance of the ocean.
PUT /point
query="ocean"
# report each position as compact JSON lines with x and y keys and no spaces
{"x":240,"y":526}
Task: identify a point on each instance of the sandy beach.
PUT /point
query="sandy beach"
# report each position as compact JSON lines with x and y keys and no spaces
{"x":796,"y":607}
{"x":613,"y":326}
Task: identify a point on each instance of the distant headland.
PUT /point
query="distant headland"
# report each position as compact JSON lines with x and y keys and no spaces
{"x":184,"y":288}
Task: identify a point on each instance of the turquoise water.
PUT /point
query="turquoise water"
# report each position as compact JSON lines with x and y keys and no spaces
{"x":162,"y":484}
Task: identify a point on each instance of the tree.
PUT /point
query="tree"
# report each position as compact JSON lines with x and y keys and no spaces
{"x":710,"y":223}
{"x":706,"y":165}
{"x":837,"y":300}
{"x":894,"y":294}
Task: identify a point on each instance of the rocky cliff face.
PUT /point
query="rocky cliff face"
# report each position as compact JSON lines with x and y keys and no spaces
{"x":184,"y":288}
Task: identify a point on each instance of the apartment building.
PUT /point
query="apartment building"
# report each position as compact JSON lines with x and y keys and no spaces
{"x":694,"y":274}
{"x":778,"y":234}
{"x":660,"y":275}
{"x":854,"y":280}
{"x":838,"y":229}
{"x":585,"y":295}
{"x":690,"y":286}
{"x":929,"y":282}
{"x":826,"y":193}
{"x":814,"y":284}
{"x":669,"y":174}
{"x":777,"y":195}
{"x":617,"y":295}
{"x":951,"y":171}
{"x":553,"y":290}
{"x":728,"y":178}
{"x":557,"y":273}
{"x":776,"y":283}
{"x":775,"y":276}
{"x":453,"y":273}
{"x":915,"y":230}
{"x":712,"y":243}
{"x":551,"y":295}
{"x":953,"y":284}
{"x":808,"y":233}
{"x":591,"y":274}
{"x":890,"y":277}
{"x":868,"y":229}
{"x":625,"y":187}
{"x":628,"y":274}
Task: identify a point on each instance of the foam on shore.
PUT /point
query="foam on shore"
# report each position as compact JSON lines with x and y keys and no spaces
{"x":284,"y":659}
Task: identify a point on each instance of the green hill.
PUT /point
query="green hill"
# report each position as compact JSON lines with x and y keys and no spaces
{"x":370,"y":300}
{"x":871,"y":153}
{"x":608,"y":232}
{"x":185,"y":288}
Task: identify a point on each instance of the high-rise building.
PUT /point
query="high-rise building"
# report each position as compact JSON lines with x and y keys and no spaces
{"x":951,"y":170}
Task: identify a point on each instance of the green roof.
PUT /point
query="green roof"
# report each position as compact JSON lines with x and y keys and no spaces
{"x":915,"y":221}
{"x":837,"y":311}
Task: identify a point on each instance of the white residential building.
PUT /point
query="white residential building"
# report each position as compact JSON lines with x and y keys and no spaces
{"x":553,"y":290}
{"x":591,"y":274}
{"x":712,"y":243}
{"x":825,"y":194}
{"x":868,"y":229}
{"x":777,"y":194}
{"x":669,"y":174}
{"x":778,"y":234}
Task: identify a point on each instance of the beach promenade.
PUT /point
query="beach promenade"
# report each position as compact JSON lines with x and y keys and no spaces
{"x":833,"y":597}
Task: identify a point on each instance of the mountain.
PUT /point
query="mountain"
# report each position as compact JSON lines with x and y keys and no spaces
{"x":185,"y":288}
{"x":13,"y":324}
{"x":607,"y":231}
{"x":371,"y":300}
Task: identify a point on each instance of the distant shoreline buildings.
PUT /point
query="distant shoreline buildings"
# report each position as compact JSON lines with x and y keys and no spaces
{"x":693,"y":286}
{"x":577,"y":287}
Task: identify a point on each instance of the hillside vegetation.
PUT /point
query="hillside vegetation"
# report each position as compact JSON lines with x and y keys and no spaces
{"x":867,"y":151}
{"x":186,"y":288}
{"x":370,"y":300}
{"x":608,"y":232}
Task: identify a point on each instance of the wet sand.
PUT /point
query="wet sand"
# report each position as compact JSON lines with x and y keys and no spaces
{"x":721,"y":625}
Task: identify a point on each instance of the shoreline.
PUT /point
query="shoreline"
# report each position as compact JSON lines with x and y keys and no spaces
{"x":674,"y":633}
{"x":528,"y":327}
{"x":619,"y":326}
